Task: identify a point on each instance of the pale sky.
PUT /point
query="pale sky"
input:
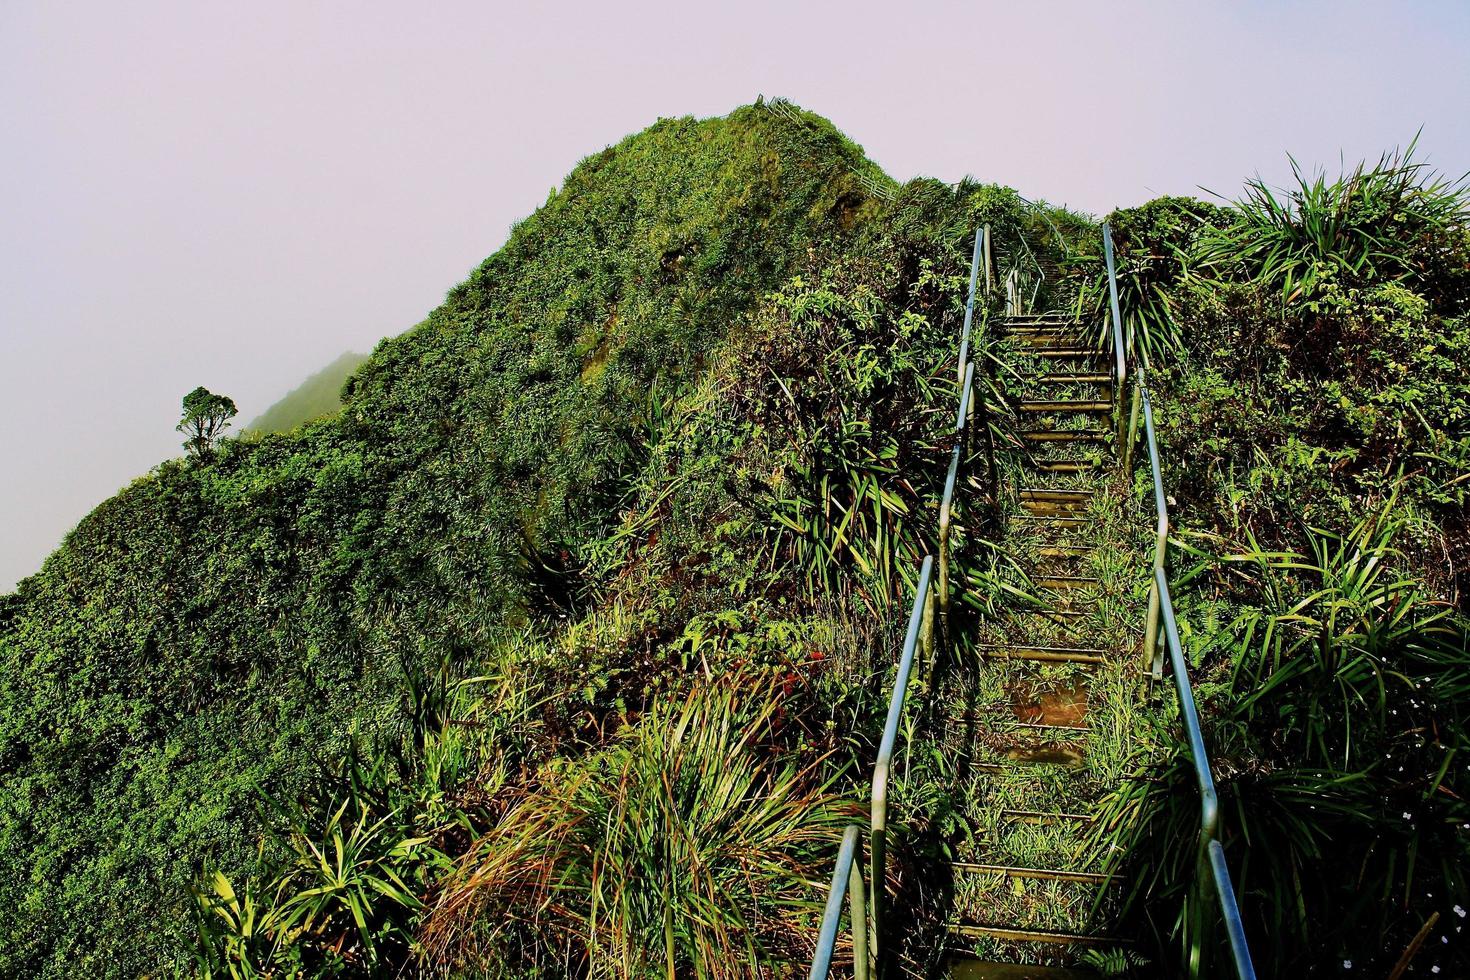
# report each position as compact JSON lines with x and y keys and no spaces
{"x":232,"y":194}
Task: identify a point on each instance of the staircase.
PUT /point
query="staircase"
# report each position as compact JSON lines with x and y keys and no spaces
{"x":1028,"y":892}
{"x":1038,"y":710}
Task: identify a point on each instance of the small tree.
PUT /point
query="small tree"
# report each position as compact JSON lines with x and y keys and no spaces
{"x":206,"y":417}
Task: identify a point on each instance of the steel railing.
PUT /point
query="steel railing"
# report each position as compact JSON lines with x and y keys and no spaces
{"x":1211,"y":859}
{"x":866,"y":923}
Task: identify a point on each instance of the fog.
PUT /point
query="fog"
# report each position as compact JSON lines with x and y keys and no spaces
{"x":233,"y":195}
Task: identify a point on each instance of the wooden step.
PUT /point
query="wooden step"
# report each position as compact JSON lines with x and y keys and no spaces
{"x":1090,"y":408}
{"x":1064,"y":435}
{"x":1049,"y":654}
{"x":1034,"y":935}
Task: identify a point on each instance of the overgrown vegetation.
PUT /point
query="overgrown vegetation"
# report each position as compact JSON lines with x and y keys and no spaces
{"x":1309,"y":359}
{"x":557,"y":650}
{"x":318,"y":397}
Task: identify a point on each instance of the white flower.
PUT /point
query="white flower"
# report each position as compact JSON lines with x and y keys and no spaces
{"x":1459,"y":911}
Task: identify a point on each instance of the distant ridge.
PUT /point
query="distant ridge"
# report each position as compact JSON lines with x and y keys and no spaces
{"x":318,"y":396}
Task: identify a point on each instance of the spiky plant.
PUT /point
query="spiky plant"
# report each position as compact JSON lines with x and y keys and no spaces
{"x":1335,"y":723}
{"x":1384,"y":221}
{"x":688,"y":848}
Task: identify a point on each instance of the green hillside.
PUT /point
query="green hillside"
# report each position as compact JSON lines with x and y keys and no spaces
{"x":563,"y":648}
{"x":317,"y":397}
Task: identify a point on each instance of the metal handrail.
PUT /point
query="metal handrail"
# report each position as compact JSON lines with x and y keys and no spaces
{"x":847,"y":878}
{"x":1161,"y":609}
{"x":867,"y":924}
{"x":882,"y":770}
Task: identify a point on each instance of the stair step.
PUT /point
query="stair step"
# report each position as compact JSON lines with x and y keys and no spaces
{"x":1064,"y":435}
{"x":1075,"y":655}
{"x":1034,"y":935}
{"x":1064,"y":465}
{"x":1065,"y":352}
{"x":1064,"y":581}
{"x":1054,"y":508}
{"x":1066,"y":551}
{"x":969,"y":968}
{"x":1038,"y":726}
{"x":1055,"y":614}
{"x":1056,"y":520}
{"x":1055,"y":493}
{"x":1045,"y":874}
{"x":1090,"y":407}
{"x":1073,"y":377}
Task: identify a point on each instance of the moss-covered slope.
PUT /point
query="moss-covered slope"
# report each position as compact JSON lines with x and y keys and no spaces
{"x":223,"y":625}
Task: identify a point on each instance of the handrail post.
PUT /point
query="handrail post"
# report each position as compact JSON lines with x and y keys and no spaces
{"x":946,"y":501}
{"x":1120,"y":358}
{"x":842,"y":879}
{"x":1132,"y":430}
{"x":882,"y":769}
{"x":1153,"y":650}
{"x":857,"y":916}
{"x":989,"y":268}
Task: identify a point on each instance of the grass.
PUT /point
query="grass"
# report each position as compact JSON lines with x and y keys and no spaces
{"x":689,"y":847}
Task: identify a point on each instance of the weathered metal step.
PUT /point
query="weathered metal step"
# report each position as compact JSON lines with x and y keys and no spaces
{"x":1055,"y":493}
{"x":1064,"y":435}
{"x":965,"y":968}
{"x":1065,"y":465}
{"x":1072,"y":377}
{"x":1043,"y":874}
{"x":1066,"y":551}
{"x":1065,"y":352}
{"x":1060,"y":615}
{"x":1074,"y":655}
{"x":1053,"y":508}
{"x":1088,"y":407}
{"x":1064,"y":581}
{"x":1053,"y":520}
{"x":1034,"y":935}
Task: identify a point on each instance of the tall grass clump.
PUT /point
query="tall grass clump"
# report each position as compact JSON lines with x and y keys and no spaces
{"x":689,"y":847}
{"x":1378,"y":222}
{"x":1335,"y":706}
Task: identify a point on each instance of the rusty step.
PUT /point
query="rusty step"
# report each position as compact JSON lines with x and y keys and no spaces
{"x":1064,"y":465}
{"x":1054,"y":493}
{"x":1034,"y":935}
{"x":969,"y":968}
{"x":1089,"y":407}
{"x":1043,"y":874}
{"x":1072,"y":377}
{"x":1065,"y":352}
{"x":1066,"y":551}
{"x":1053,"y":508}
{"x":1064,"y":581}
{"x":1049,"y":654}
{"x":1051,"y":520}
{"x":1064,"y":435}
